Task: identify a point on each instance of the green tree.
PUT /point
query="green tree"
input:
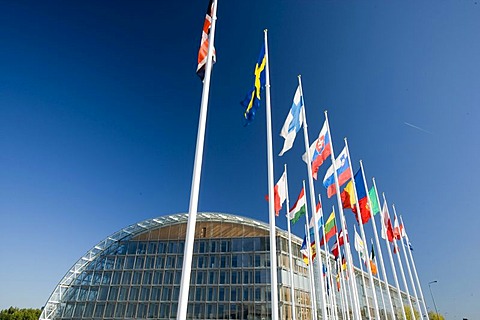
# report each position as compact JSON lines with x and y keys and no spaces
{"x":20,"y":314}
{"x":431,"y":315}
{"x":408,"y":313}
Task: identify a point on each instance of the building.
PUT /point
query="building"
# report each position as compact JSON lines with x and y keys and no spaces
{"x":135,"y":273}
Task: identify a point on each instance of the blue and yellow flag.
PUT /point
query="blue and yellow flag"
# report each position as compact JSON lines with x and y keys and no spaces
{"x":252,"y":100}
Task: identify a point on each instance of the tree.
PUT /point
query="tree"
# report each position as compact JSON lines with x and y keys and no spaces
{"x":431,"y":315}
{"x":408,"y":313}
{"x":20,"y":314}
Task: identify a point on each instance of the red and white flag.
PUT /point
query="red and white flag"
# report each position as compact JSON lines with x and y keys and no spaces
{"x":398,"y":231}
{"x":203,"y":52}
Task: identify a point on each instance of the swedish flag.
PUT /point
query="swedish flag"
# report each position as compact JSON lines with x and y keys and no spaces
{"x":252,"y":100}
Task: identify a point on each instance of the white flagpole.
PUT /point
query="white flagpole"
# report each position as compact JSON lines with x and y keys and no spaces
{"x":379,"y":280}
{"x":197,"y":168}
{"x":380,"y":254}
{"x":356,"y":306}
{"x":374,"y":225}
{"x":333,"y":299}
{"x":415,"y":270}
{"x":271,"y":205}
{"x":393,"y":264}
{"x":401,"y":268}
{"x":410,"y":274}
{"x":292,"y":287}
{"x":339,"y":260}
{"x":310,"y":263}
{"x":363,"y":277}
{"x":312,"y":204}
{"x":362,"y":233}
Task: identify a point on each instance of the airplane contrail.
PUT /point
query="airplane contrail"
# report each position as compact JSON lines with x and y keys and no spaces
{"x":418,"y":128}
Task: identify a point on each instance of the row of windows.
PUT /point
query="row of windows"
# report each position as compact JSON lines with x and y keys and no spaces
{"x":200,"y":246}
{"x":169,"y":277}
{"x":122,"y":310}
{"x":171,"y":261}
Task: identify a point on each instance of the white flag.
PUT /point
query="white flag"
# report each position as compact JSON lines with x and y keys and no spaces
{"x":359,"y":245}
{"x":293,"y":123}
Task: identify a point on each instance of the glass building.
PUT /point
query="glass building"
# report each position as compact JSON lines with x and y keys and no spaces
{"x":135,"y":273}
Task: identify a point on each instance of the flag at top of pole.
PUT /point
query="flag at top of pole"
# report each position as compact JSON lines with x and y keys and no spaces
{"x":293,"y":123}
{"x":197,"y":169}
{"x":320,"y":150}
{"x":252,"y":100}
{"x":203,"y":52}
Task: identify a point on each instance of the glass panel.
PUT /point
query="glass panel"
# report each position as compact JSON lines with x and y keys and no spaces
{"x":120,"y":310}
{"x":99,"y":308}
{"x":131,"y":310}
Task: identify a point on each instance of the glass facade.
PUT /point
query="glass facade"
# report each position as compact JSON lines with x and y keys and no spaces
{"x":136,"y":272}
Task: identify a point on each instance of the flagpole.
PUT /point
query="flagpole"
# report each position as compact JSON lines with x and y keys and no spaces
{"x":379,"y":280}
{"x":312,"y":203}
{"x":362,"y":232}
{"x":197,"y":168}
{"x":356,"y":306}
{"x":377,"y":242}
{"x":393,"y":264}
{"x":415,"y":270}
{"x":401,"y":268}
{"x":361,"y":269}
{"x":410,"y":273}
{"x":292,"y":288}
{"x":271,"y":208}
{"x":310,"y":262}
{"x":343,"y":281}
{"x":381,"y":256}
{"x":333,"y":299}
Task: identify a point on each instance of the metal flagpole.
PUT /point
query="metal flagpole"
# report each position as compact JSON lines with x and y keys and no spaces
{"x":342,"y":280}
{"x":312,"y":204}
{"x":374,"y":225}
{"x":380,"y":254}
{"x":410,"y":273}
{"x":393,"y":264}
{"x":363,"y":277}
{"x":356,"y":307}
{"x":292,"y":288}
{"x":362,"y":233}
{"x":271,"y":206}
{"x":310,"y":262}
{"x":197,"y":168}
{"x":401,"y":268}
{"x":379,"y":281}
{"x":415,"y":270}
{"x":333,"y":300}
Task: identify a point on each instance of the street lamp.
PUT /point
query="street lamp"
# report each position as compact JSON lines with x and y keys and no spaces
{"x":434,"y":304}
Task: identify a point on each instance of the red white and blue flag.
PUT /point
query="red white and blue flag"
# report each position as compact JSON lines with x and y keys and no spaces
{"x":320,"y":149}
{"x":203,"y":52}
{"x":343,"y":172}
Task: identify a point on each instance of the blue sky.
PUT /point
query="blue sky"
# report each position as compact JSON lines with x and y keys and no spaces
{"x":99,"y":107}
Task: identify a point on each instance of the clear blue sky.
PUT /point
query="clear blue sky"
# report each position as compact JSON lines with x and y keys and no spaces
{"x":99,"y":108}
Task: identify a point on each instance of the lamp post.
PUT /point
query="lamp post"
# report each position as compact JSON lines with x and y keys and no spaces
{"x":434,"y":304}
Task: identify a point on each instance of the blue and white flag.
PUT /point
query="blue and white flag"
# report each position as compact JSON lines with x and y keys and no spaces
{"x":293,"y":123}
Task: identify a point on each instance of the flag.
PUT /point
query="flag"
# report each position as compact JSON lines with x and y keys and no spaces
{"x":387,"y":230}
{"x":330,"y":229}
{"x":359,"y":246}
{"x":318,"y":216}
{"x":362,"y":198}
{"x":398,"y":232}
{"x":293,"y":123}
{"x":204,"y":43}
{"x":279,"y":193}
{"x":320,"y":149}
{"x":344,"y":262}
{"x":337,"y":277}
{"x":374,"y":201}
{"x":304,"y":250}
{"x":343,"y":171}
{"x":299,"y":208}
{"x":252,"y":100}
{"x":338,"y":243}
{"x":348,"y":196}
{"x":373,"y":266}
